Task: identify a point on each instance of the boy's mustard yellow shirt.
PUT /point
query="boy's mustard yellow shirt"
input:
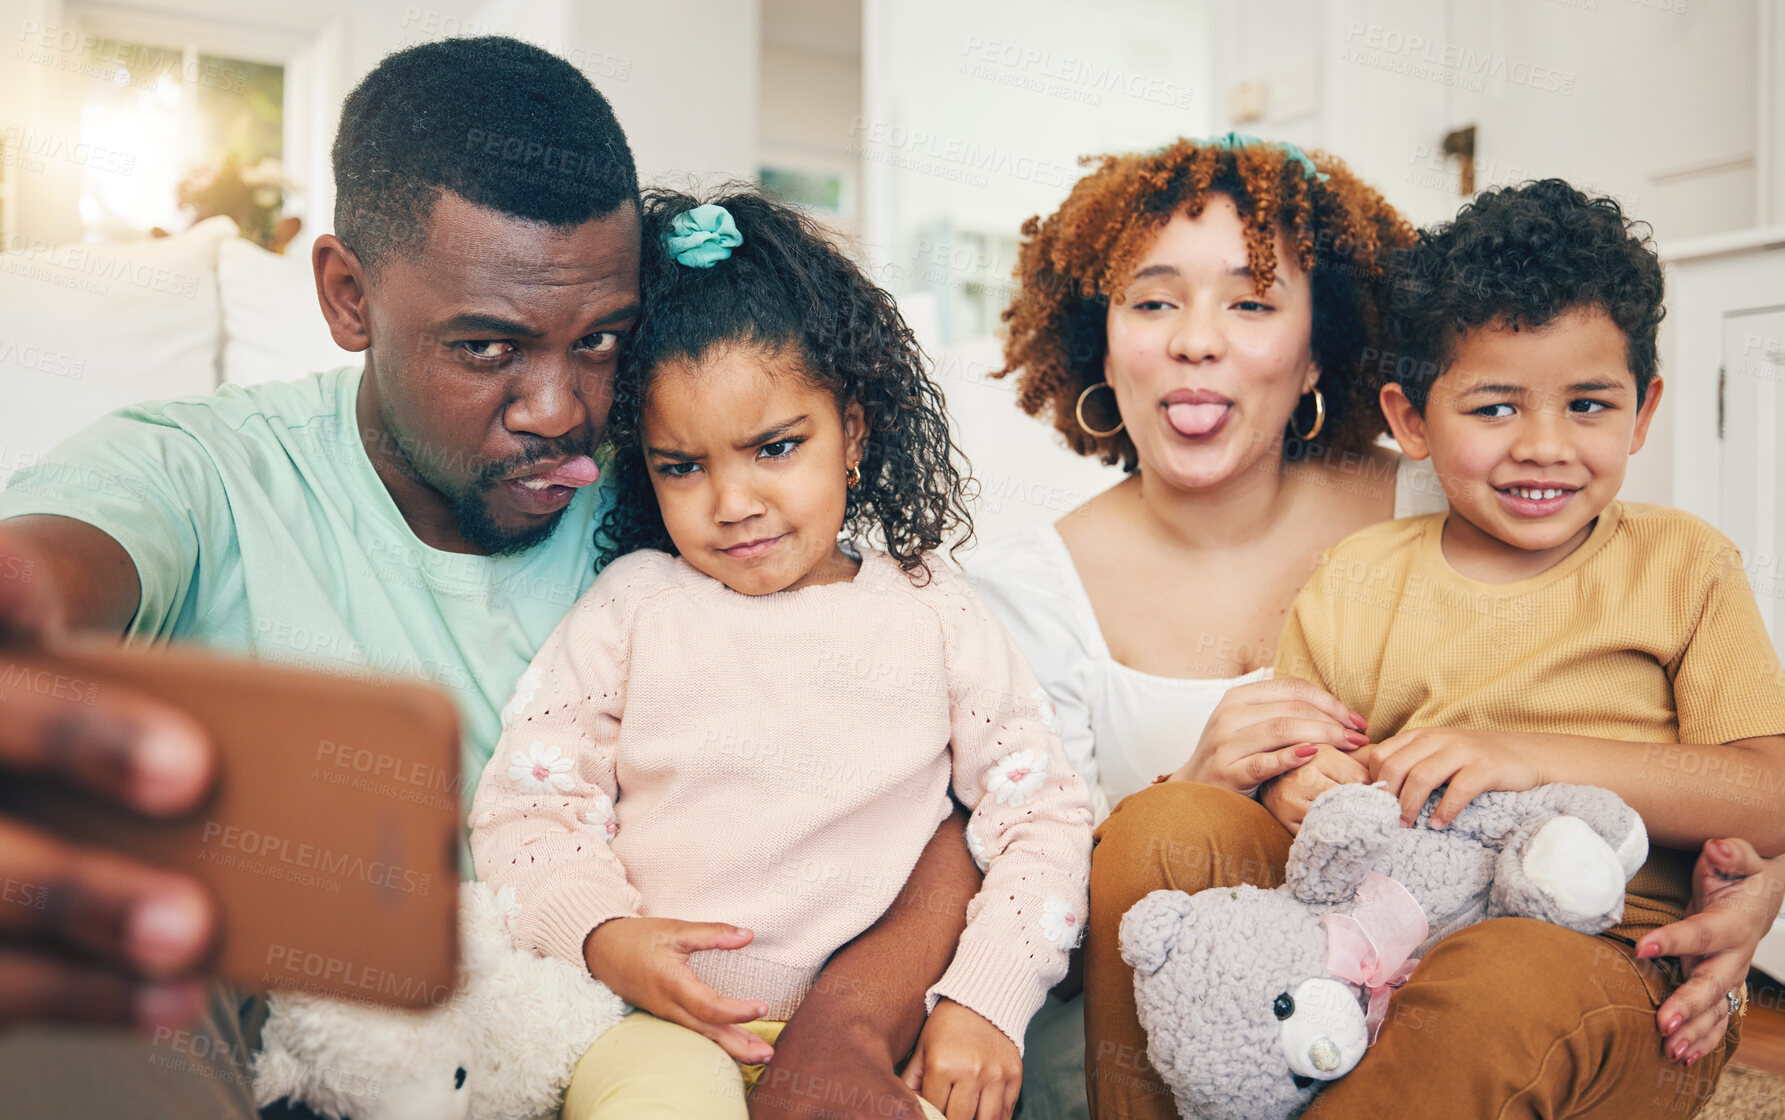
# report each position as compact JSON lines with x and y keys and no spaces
{"x":1647,"y":633}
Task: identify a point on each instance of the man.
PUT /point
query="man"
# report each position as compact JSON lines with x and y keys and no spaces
{"x":433,"y":516}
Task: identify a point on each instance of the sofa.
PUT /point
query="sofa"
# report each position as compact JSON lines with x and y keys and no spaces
{"x":86,"y":328}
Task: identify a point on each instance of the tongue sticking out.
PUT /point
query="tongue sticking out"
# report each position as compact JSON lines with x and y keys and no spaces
{"x":580,"y":471}
{"x":1195,"y":419}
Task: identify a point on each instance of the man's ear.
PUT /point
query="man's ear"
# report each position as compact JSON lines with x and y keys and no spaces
{"x":855,"y":433}
{"x":1405,"y":421}
{"x":1646,"y":413}
{"x":341,"y":290}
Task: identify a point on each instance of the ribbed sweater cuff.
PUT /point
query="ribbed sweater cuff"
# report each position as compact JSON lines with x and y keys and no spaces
{"x":562,"y":922}
{"x":994,"y":981}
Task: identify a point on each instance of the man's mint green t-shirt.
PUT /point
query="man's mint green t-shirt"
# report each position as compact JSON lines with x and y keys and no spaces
{"x":258,"y":525}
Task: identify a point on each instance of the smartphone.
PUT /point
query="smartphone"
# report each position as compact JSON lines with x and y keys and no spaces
{"x":330,"y":841}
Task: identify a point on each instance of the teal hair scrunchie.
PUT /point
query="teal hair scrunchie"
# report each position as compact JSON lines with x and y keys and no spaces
{"x":1234,"y":141}
{"x":703,"y":236}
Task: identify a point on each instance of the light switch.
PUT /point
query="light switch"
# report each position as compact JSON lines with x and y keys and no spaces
{"x":1245,"y":103}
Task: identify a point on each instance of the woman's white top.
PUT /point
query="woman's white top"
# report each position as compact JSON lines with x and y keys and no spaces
{"x":1121,"y":727}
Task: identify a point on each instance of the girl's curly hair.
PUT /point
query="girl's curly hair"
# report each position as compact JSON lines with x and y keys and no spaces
{"x":788,"y":285}
{"x":1523,"y":256}
{"x":1343,"y":233}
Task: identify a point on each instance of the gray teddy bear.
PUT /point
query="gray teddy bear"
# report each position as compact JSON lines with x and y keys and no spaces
{"x":1253,"y":999}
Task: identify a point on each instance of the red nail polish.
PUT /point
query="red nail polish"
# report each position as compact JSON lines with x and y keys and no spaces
{"x":1673,"y":1024}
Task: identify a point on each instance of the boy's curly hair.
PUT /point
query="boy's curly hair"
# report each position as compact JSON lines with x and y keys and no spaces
{"x":788,"y":285}
{"x":1520,"y":257}
{"x":1074,"y":262}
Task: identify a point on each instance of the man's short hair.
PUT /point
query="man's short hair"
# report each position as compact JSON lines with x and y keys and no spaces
{"x":494,"y":120}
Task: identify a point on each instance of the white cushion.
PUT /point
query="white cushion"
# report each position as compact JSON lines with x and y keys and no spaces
{"x":85,"y":329}
{"x":273,"y":329}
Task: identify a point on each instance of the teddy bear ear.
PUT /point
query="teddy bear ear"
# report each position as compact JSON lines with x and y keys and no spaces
{"x":276,"y":1074}
{"x":1150,"y":929}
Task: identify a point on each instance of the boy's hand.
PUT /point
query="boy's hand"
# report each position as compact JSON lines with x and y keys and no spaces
{"x":1289,"y":797}
{"x":1414,"y":763}
{"x":965,"y":1066}
{"x":1735,"y":897}
{"x":645,"y":962}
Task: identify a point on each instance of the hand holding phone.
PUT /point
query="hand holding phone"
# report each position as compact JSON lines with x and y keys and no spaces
{"x":86,"y":935}
{"x":329,"y":842}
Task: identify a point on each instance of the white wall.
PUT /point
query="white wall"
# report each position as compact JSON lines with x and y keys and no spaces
{"x":1654,"y":101}
{"x":682,"y":76}
{"x":811,"y":96}
{"x":810,"y":101}
{"x":978,"y":112}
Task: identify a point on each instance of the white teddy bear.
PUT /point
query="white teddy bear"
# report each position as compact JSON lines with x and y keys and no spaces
{"x":503,"y":1048}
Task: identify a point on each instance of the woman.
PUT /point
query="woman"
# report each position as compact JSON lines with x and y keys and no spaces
{"x":1202,"y":315}
{"x":1209,"y":315}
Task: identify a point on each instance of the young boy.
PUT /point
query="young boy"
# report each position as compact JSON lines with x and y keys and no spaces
{"x":1544,"y":631}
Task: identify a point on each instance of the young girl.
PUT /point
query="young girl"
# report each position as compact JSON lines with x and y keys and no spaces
{"x":749,"y":721}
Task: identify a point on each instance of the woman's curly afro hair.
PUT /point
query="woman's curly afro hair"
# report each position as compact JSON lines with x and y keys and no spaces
{"x":1343,"y":233}
{"x":787,"y":285}
{"x":1520,"y":257}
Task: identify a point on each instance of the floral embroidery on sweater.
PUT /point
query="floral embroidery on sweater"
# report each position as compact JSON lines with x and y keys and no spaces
{"x":1016,"y":778}
{"x":602,"y":817}
{"x":541,"y":769}
{"x":1050,"y":715}
{"x":1060,"y":925}
{"x":976,"y":848}
{"x":524,"y":691}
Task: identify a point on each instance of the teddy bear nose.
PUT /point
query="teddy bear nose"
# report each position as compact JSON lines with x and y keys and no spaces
{"x":1325,"y":1036}
{"x":1324,"y":1054}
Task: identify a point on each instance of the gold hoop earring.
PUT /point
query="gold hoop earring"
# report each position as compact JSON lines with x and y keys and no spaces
{"x":853,"y":476}
{"x":1319,"y":417}
{"x":1079,"y":413}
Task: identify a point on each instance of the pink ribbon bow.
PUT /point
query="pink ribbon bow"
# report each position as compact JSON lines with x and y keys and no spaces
{"x":1370,"y":945}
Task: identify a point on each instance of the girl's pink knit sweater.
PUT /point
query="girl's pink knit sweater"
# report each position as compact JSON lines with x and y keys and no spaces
{"x":778,"y":762}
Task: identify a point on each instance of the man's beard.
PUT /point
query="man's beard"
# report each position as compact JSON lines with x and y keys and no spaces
{"x":469,"y":504}
{"x":483,"y":534}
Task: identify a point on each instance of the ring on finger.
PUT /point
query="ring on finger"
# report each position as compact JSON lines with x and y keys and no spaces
{"x":1736,"y":1000}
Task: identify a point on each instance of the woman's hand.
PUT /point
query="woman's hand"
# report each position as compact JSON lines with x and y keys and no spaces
{"x":645,"y":962}
{"x":1735,"y":897}
{"x":1289,"y":797}
{"x":1414,"y":763}
{"x":1260,"y":730}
